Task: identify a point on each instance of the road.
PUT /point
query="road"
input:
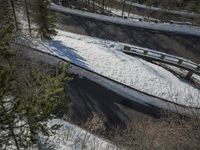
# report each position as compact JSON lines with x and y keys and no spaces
{"x":91,"y":92}
{"x":156,"y":12}
{"x":181,"y":45}
{"x":165,"y":14}
{"x":87,"y":97}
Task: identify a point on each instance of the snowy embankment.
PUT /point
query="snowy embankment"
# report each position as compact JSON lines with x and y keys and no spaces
{"x":70,"y":136}
{"x":106,"y":58}
{"x":181,"y":29}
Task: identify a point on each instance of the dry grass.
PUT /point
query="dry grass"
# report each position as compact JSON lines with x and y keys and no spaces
{"x":168,"y":133}
{"x":95,"y":124}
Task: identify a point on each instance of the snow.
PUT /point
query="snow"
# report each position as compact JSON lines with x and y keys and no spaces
{"x":164,"y":27}
{"x":106,"y":58}
{"x":72,"y":137}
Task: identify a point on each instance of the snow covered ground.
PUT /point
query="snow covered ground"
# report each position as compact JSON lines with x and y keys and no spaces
{"x":106,"y":58}
{"x":72,"y":137}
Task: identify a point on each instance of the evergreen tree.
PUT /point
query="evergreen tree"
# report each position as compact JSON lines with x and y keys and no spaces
{"x":6,"y":14}
{"x":8,"y":105}
{"x":44,"y":19}
{"x":40,"y":94}
{"x":27,"y":99}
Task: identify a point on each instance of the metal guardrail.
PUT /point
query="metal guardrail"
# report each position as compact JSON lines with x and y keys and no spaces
{"x":151,"y":55}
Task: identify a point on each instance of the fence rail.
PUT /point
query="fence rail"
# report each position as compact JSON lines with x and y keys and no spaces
{"x":151,"y":55}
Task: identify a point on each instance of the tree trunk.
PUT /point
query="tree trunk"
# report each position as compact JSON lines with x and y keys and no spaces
{"x":14,"y":138}
{"x":93,"y":6}
{"x":28,"y":17}
{"x":123,"y":8}
{"x":14,"y":14}
{"x":103,"y":5}
{"x":130,"y":8}
{"x":11,"y":129}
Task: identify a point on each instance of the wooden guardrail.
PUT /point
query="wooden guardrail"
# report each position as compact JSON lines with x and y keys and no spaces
{"x":151,"y":55}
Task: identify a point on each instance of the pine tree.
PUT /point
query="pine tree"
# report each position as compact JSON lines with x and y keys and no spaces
{"x":6,"y":14}
{"x":40,"y":94}
{"x":26,"y":99}
{"x":44,"y":19}
{"x":7,"y":105}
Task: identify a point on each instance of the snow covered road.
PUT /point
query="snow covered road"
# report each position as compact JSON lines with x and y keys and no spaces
{"x":105,"y":57}
{"x":180,"y":29}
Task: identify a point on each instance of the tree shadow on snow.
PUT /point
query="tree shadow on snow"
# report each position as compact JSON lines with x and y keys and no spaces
{"x":67,"y":53}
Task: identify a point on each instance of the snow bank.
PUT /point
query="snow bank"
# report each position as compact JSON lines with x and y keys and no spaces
{"x":69,"y":137}
{"x":106,"y":58}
